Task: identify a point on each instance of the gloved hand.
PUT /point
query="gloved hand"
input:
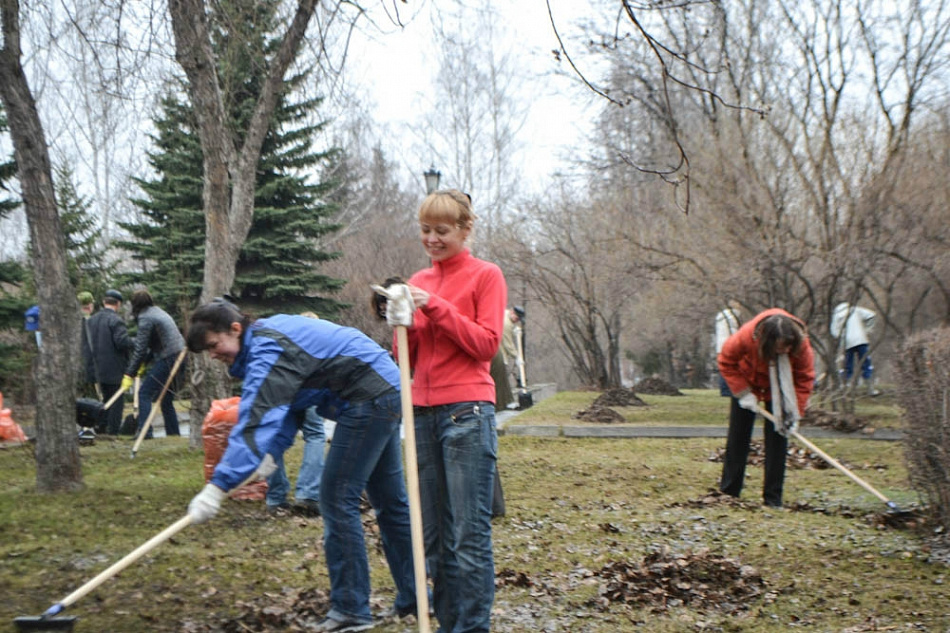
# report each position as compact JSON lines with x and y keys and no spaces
{"x":206,"y":504}
{"x":127,"y":382}
{"x":749,"y":401}
{"x":141,"y":371}
{"x":399,"y":305}
{"x":789,"y":426}
{"x":267,"y":467}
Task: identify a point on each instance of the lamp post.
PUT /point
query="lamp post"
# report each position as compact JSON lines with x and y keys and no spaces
{"x":432,"y":177}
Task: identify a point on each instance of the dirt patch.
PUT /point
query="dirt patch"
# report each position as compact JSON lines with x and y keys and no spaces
{"x":701,"y":581}
{"x":657,"y":387}
{"x":797,"y":458}
{"x":618,"y":397}
{"x":834,"y":420}
{"x":601,"y":415}
{"x":717,"y":498}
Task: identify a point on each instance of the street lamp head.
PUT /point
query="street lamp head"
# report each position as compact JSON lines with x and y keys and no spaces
{"x":432,"y":177}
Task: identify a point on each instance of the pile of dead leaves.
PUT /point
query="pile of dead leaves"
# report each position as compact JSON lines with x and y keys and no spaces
{"x":797,"y":458}
{"x":618,"y":397}
{"x":596,"y":413}
{"x":701,"y":581}
{"x":657,"y":387}
{"x":292,"y":610}
{"x":834,"y":420}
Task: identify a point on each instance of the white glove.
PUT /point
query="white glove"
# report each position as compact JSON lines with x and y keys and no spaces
{"x":789,"y":428}
{"x":399,"y":304}
{"x":206,"y":504}
{"x":749,"y":401}
{"x":267,"y":467}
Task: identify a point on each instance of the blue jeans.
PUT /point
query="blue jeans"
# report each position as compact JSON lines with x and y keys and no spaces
{"x":365,"y":454}
{"x":457,"y":447}
{"x":311,"y":468}
{"x":855,"y":353}
{"x":152,"y":384}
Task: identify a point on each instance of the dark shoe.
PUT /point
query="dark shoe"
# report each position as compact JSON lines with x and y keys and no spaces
{"x":279,"y":510}
{"x":342,"y":626}
{"x":307,"y":508}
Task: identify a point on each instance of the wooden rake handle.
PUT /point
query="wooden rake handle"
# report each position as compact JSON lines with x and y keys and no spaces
{"x":112,"y":400}
{"x":133,"y":556}
{"x":151,"y":415}
{"x":412,"y":481}
{"x":828,"y":458}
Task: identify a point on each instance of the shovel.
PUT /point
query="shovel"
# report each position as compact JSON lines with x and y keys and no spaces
{"x":412,"y":477}
{"x":832,"y":461}
{"x":49,"y":620}
{"x":155,"y":408}
{"x":525,"y":399}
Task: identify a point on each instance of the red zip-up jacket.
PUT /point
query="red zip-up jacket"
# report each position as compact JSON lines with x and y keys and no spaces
{"x":743,"y":370}
{"x":454,"y":337}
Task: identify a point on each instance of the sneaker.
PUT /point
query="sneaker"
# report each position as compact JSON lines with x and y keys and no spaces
{"x":279,"y":510}
{"x":342,"y":626}
{"x":307,"y":508}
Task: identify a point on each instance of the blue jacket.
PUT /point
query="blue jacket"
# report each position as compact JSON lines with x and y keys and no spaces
{"x":291,"y":363}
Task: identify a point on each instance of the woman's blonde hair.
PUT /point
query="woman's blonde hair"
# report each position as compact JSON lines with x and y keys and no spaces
{"x":448,"y":205}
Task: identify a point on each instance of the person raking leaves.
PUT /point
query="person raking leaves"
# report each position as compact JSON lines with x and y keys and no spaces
{"x":289,"y":364}
{"x":768,"y":359}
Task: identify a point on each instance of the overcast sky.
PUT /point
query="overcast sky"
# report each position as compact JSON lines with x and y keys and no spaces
{"x":398,"y":67}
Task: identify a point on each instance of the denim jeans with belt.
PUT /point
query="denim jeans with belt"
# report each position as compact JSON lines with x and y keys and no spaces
{"x":311,"y":467}
{"x":457,"y":447}
{"x":365,"y":454}
{"x":152,"y":384}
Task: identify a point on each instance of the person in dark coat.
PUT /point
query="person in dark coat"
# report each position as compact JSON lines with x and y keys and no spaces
{"x":106,"y":345}
{"x":157,"y":338}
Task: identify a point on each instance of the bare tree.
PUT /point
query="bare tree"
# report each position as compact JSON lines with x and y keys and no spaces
{"x":791,"y":123}
{"x":470,"y":130}
{"x":57,"y":447}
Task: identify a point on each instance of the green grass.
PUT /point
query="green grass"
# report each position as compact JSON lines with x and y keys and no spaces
{"x":574,"y":505}
{"x":696,"y":407}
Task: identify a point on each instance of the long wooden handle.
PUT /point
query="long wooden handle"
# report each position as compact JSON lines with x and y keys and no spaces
{"x":412,"y":477}
{"x":129,"y":558}
{"x":155,"y":407}
{"x":134,"y":555}
{"x":115,"y":396}
{"x":828,"y":458}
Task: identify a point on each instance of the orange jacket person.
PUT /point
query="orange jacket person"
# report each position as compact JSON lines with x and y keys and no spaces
{"x":773,"y":337}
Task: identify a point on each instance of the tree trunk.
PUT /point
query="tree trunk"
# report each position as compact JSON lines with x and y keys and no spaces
{"x":229,"y":171}
{"x":58,"y":466}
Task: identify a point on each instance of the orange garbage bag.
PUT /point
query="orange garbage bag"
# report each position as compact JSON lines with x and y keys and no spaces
{"x":215,"y":431}
{"x":10,"y":431}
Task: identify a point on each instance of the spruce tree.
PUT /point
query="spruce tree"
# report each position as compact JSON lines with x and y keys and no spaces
{"x":168,"y":245}
{"x":86,"y":260}
{"x":278,"y":267}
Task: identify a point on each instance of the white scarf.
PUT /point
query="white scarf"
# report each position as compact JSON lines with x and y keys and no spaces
{"x":784,"y":401}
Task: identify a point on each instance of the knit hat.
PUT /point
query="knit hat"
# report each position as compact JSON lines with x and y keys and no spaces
{"x":115,"y":294}
{"x":85,"y":298}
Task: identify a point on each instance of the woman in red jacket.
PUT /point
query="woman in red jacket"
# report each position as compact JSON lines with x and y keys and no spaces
{"x":457,"y":326}
{"x":744,"y":364}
